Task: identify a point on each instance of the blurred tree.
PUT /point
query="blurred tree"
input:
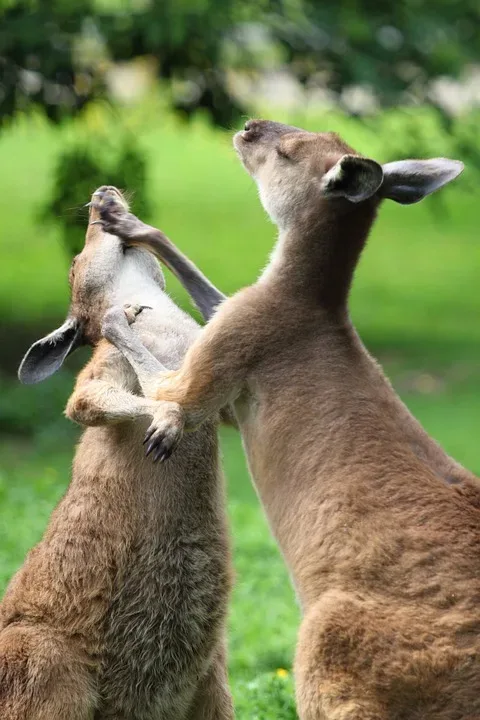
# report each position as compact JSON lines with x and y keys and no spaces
{"x":37,"y":59}
{"x":397,"y":48}
{"x":53,"y":52}
{"x":85,"y":166}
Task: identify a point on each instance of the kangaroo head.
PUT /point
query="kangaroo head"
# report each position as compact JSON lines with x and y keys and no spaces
{"x":106,"y":272}
{"x":297,"y":171}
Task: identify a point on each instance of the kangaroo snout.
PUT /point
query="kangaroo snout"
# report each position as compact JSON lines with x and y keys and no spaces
{"x":262,"y":129}
{"x":100,"y":196}
{"x":108,"y":190}
{"x":251,"y":130}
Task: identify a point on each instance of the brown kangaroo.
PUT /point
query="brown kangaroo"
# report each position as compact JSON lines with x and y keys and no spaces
{"x":119,"y":612}
{"x":379,"y":527}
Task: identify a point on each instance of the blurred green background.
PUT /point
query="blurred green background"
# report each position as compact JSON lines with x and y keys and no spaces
{"x":145,"y":95}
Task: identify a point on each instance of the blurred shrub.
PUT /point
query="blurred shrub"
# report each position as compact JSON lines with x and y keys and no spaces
{"x":82,"y":168}
{"x":422,"y":132}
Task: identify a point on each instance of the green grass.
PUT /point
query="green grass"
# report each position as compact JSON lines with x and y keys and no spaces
{"x":415,"y":303}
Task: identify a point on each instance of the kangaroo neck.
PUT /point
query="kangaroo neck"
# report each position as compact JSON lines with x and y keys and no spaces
{"x":316,"y":258}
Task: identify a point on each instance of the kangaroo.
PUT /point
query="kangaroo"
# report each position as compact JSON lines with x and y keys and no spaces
{"x":380,"y":528}
{"x":119,"y":612}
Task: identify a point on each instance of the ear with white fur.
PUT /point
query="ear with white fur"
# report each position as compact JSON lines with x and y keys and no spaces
{"x":408,"y":181}
{"x":46,"y":356}
{"x":354,"y":178}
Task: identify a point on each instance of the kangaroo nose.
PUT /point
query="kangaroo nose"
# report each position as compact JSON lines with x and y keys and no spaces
{"x":251,"y":129}
{"x":107,"y":190}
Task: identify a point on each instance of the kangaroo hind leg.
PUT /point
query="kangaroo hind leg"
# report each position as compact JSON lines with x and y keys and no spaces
{"x":42,"y":677}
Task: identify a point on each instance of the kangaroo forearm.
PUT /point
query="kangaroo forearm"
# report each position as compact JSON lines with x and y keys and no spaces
{"x":203,"y":293}
{"x":201,"y":388}
{"x":145,"y":365}
{"x":134,"y":232}
{"x":100,"y":403}
{"x":215,"y":367}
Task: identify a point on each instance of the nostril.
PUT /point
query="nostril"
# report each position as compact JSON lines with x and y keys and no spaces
{"x":250,"y":130}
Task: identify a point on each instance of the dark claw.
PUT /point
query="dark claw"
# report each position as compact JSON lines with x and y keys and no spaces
{"x":159,"y":455}
{"x":162,"y":454}
{"x":150,"y":448}
{"x":142,"y":308}
{"x":148,"y":435}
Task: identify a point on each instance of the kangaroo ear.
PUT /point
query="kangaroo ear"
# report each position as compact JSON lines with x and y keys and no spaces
{"x":354,"y":178}
{"x":46,"y":356}
{"x":408,"y":181}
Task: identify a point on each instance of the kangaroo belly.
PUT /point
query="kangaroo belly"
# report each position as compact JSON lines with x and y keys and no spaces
{"x":170,"y":599}
{"x":163,"y":625}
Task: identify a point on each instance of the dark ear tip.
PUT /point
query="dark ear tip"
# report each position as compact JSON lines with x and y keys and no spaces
{"x":22,"y":376}
{"x":46,"y":355}
{"x":23,"y":373}
{"x":27,"y":379}
{"x":30,"y":376}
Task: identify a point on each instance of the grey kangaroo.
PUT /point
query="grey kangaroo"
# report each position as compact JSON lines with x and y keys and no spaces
{"x":119,"y":612}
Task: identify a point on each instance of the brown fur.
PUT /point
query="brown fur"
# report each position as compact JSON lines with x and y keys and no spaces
{"x":119,"y":612}
{"x":379,"y":527}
